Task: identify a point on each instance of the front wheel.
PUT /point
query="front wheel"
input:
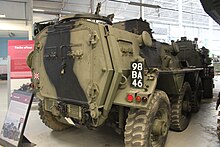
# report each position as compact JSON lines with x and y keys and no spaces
{"x":149,"y":127}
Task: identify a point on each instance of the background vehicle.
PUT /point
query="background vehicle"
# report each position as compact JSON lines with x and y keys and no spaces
{"x":89,"y":73}
{"x":192,"y":56}
{"x":216,"y":64}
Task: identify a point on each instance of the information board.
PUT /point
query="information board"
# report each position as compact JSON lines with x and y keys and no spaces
{"x":18,"y":51}
{"x":13,"y":128}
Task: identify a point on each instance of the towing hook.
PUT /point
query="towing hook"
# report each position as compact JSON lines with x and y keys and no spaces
{"x":62,"y":108}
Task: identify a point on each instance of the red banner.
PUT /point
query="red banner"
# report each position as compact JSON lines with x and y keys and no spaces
{"x":18,"y":50}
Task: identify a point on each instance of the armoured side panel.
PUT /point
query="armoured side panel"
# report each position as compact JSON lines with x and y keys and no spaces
{"x":152,"y":55}
{"x":136,"y":26}
{"x":93,"y":65}
{"x":170,"y":82}
{"x":189,"y":54}
{"x":124,"y":50}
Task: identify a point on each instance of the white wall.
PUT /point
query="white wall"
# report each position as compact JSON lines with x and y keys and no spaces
{"x":17,"y":25}
{"x":17,"y":83}
{"x":37,"y":17}
{"x":206,"y":38}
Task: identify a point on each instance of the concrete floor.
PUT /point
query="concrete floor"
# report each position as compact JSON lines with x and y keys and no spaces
{"x":200,"y":133}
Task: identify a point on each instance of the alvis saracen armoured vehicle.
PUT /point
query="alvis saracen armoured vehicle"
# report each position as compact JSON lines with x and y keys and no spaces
{"x":88,"y":71}
{"x":191,"y":55}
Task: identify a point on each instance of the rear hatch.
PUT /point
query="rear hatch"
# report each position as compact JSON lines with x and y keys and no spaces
{"x":77,"y":66}
{"x":59,"y":65}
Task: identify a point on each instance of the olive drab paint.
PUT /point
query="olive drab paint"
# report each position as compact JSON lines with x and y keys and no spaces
{"x":94,"y":72}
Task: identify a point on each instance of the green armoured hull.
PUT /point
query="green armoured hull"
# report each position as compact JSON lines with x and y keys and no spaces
{"x":90,"y":73}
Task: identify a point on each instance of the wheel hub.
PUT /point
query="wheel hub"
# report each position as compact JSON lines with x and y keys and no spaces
{"x":160,"y":128}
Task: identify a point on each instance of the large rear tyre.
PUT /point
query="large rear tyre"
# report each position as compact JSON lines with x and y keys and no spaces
{"x":197,"y":96}
{"x":149,"y":127}
{"x":181,"y":109}
{"x":49,"y":119}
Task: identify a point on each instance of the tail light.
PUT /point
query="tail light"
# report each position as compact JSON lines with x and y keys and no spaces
{"x":130,"y":98}
{"x":144,"y":99}
{"x":138,"y":99}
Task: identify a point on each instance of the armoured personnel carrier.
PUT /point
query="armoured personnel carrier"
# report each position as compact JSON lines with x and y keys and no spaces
{"x":216,"y":64}
{"x":88,"y":72}
{"x":192,"y":56}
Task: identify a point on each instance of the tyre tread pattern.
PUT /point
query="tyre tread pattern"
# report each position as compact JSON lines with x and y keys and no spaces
{"x":197,"y":97}
{"x":49,"y":120}
{"x":176,"y":111}
{"x":136,"y":123}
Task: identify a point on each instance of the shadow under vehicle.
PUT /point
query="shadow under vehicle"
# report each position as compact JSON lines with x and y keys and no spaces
{"x":88,"y":71}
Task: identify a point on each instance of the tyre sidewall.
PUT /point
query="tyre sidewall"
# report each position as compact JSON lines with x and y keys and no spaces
{"x":160,"y":103}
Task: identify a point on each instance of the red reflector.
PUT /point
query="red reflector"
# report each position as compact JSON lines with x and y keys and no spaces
{"x":138,"y":99}
{"x":130,"y":98}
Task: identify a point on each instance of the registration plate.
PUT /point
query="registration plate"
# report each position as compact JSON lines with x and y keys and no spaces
{"x":137,"y":74}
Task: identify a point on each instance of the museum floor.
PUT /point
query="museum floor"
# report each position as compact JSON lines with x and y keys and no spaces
{"x":200,"y":133}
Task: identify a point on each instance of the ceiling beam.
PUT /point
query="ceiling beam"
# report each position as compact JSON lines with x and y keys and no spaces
{"x":52,"y":11}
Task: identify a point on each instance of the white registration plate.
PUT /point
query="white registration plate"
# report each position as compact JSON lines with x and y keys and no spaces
{"x":137,"y":74}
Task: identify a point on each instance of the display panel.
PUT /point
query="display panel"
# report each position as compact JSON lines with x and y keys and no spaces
{"x":15,"y":120}
{"x":18,"y":50}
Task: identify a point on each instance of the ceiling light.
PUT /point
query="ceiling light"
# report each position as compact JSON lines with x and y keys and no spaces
{"x":38,"y":10}
{"x":2,"y":15}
